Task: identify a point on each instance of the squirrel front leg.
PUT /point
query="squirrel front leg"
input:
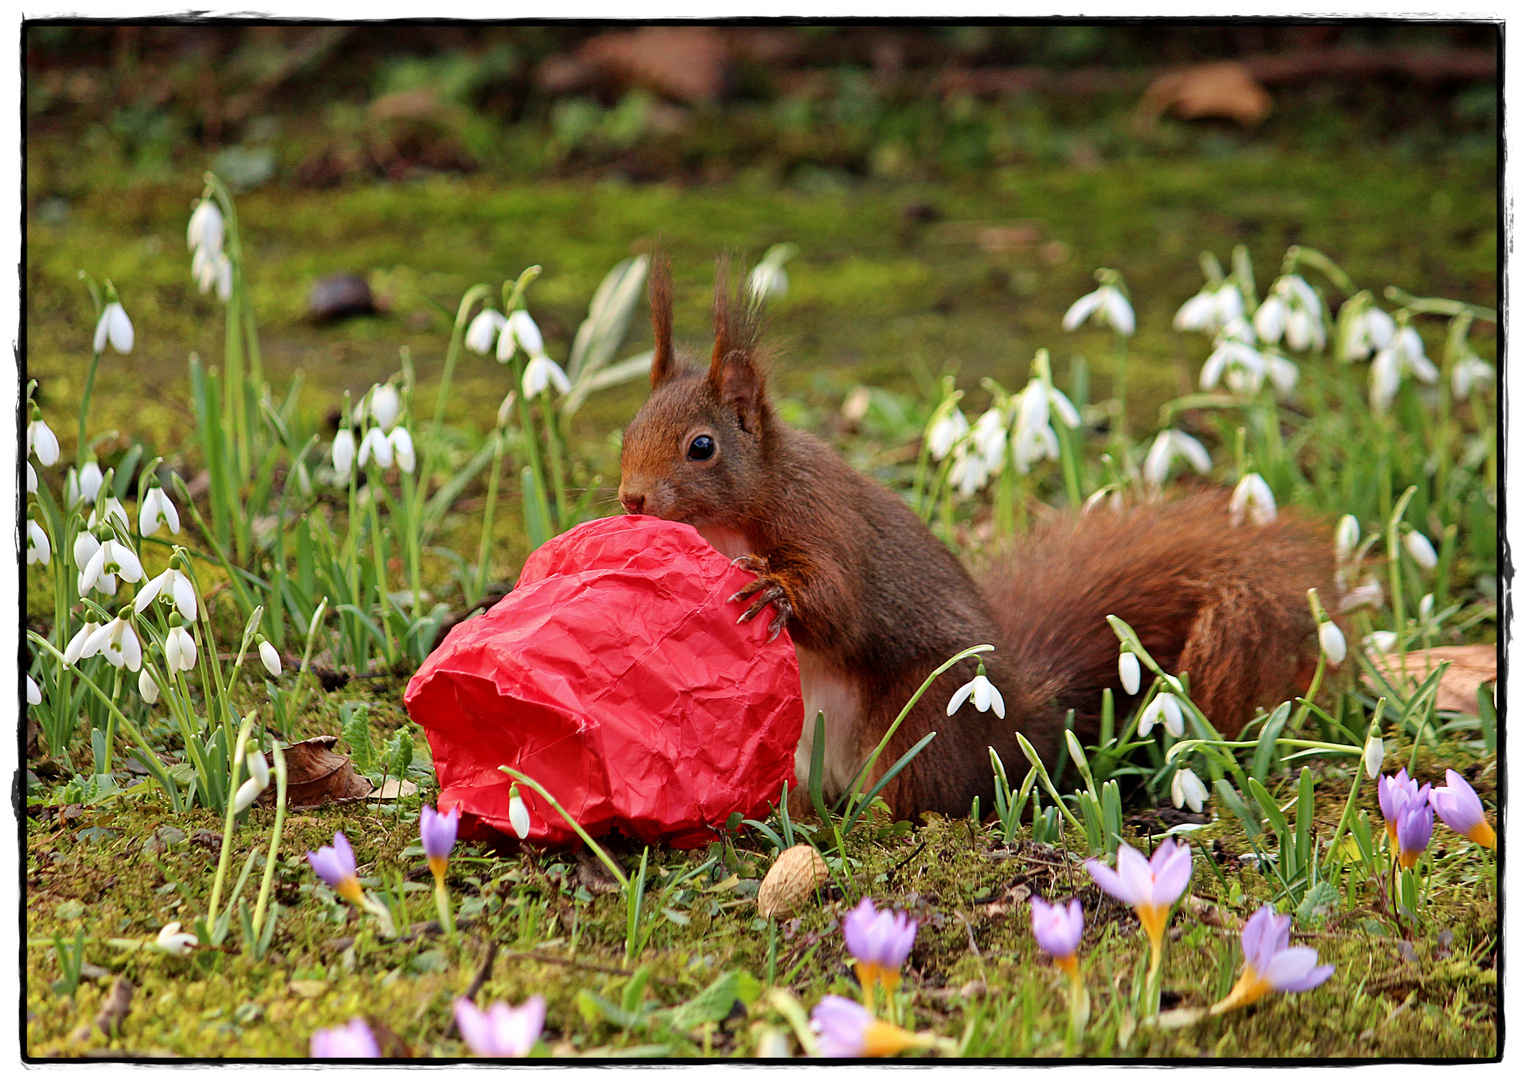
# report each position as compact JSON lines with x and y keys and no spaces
{"x":768,"y":588}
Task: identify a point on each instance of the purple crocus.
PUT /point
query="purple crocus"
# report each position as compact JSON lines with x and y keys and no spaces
{"x":1269,"y":964}
{"x":1458,"y":807}
{"x":353,"y":1040}
{"x":1415,"y":826}
{"x":879,"y":941}
{"x":336,"y":865}
{"x":1395,"y":792}
{"x":843,"y":1028}
{"x":438,"y":834}
{"x":500,"y":1030}
{"x":1057,"y":929}
{"x":1149,"y":886}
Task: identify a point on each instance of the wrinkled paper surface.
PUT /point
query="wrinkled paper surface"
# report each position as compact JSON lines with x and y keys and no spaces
{"x":615,"y":675}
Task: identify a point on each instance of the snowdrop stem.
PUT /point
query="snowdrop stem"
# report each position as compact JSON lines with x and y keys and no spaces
{"x":489,"y":510}
{"x":84,"y":411}
{"x":1394,"y":567}
{"x":227,"y":818}
{"x":553,"y":444}
{"x":379,"y":555}
{"x":531,"y":441}
{"x":104,"y":765}
{"x":1047,"y":782}
{"x":592,"y":845}
{"x":279,"y":769}
{"x":1121,"y":362}
{"x":1354,"y":789}
{"x":472,"y":296}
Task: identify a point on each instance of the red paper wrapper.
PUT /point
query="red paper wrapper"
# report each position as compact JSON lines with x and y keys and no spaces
{"x":614,"y":674}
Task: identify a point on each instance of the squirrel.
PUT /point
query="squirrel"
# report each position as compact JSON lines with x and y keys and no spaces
{"x":874,"y":601}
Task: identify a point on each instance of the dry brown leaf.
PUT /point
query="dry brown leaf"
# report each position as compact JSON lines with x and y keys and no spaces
{"x":1226,"y":89}
{"x":689,"y":63}
{"x":113,"y":1011}
{"x":316,"y":775}
{"x":392,"y":788}
{"x":1471,"y":667}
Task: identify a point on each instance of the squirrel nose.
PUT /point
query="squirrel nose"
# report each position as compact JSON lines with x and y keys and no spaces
{"x":633,"y":504}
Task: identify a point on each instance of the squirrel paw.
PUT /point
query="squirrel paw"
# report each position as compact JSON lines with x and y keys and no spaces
{"x":767,"y":590}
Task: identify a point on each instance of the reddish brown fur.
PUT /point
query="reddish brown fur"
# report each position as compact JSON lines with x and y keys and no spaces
{"x":863,"y":582}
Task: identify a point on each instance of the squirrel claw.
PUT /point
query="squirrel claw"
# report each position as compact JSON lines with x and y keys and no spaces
{"x":755,"y":563}
{"x":767,"y":592}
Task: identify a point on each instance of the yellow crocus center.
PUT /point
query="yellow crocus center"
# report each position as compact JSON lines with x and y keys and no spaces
{"x":1391,"y":833}
{"x":437,"y":863}
{"x":1482,"y":833}
{"x":870,"y":975}
{"x":885,"y":1040}
{"x":1069,"y":965}
{"x":1406,"y":858}
{"x":349,"y":889}
{"x":1250,"y":987}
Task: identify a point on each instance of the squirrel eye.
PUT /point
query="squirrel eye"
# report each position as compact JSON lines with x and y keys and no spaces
{"x":701,"y":448}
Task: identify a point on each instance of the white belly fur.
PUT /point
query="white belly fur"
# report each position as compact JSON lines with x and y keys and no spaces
{"x":825,"y":689}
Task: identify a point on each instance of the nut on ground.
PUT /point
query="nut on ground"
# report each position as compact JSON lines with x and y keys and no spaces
{"x":796,"y":874}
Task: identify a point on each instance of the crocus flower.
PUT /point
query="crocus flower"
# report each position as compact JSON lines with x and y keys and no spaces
{"x":1331,"y":640}
{"x":336,"y":866}
{"x":157,"y":510}
{"x":1058,"y":929}
{"x":946,"y":433}
{"x":1254,"y":496}
{"x":1166,"y":708}
{"x":1415,"y":827}
{"x":402,"y":449}
{"x":343,"y":453}
{"x":1130,"y":671}
{"x":438,"y":834}
{"x":1269,"y":964}
{"x":1150,"y":886}
{"x":385,"y":405}
{"x":1393,"y":793}
{"x":843,"y":1028}
{"x":986,"y":695}
{"x":1107,"y":305}
{"x":1420,"y":549}
{"x":172,"y":941}
{"x":115,"y":327}
{"x":483,"y":330}
{"x":39,"y":549}
{"x":1169,"y":445}
{"x":500,"y":1030}
{"x":1459,"y":808}
{"x":1186,"y":789}
{"x":269,"y":657}
{"x":173,"y":584}
{"x":40,"y":439}
{"x":879,"y":941}
{"x":353,"y":1040}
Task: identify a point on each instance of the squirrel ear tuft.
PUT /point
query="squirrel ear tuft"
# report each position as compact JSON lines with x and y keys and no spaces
{"x":733,"y":370}
{"x":663,"y":363}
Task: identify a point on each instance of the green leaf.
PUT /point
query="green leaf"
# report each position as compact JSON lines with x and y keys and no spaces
{"x":1230,"y":798}
{"x":354,"y":720}
{"x":710,"y":1006}
{"x":1272,"y":812}
{"x":1265,"y":752}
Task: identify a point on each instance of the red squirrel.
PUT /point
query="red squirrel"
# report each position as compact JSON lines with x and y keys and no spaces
{"x":874,"y":602}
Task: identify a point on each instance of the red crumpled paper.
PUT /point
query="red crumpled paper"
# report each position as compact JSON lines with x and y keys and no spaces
{"x":615,"y":675}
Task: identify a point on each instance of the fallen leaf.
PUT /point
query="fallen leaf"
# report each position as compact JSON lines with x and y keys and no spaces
{"x":394,"y":789}
{"x":1471,"y":666}
{"x":1226,"y":89}
{"x":113,"y":1011}
{"x":316,"y":776}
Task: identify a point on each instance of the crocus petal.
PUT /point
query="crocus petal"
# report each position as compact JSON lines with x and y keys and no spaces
{"x":1296,"y":969}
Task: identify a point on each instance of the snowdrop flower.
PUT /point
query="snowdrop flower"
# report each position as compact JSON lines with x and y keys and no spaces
{"x":343,"y":453}
{"x":1245,"y":368}
{"x":1458,"y":807}
{"x":219,"y":272}
{"x":180,"y":649}
{"x":989,"y":440}
{"x":31,"y":479}
{"x":1375,"y":754}
{"x":843,"y":1028}
{"x":984,"y":693}
{"x":172,"y":941}
{"x":946,"y":433}
{"x":112,"y":558}
{"x":353,"y":1040}
{"x":269,"y":657}
{"x":518,"y":813}
{"x":505,"y":409}
{"x":175,"y":586}
{"x":542,"y":371}
{"x":879,"y":941}
{"x":1365,"y":329}
{"x":1270,"y":964}
{"x":483,"y":330}
{"x":500,"y":1031}
{"x":148,"y":686}
{"x":1380,"y":641}
{"x":768,"y":279}
{"x":336,"y":866}
{"x":204,"y":231}
{"x":1149,"y":886}
{"x":1058,"y":929}
{"x":85,"y":485}
{"x":157,"y":510}
{"x":437,"y":831}
{"x":1211,"y":309}
{"x":33,"y":692}
{"x":969,"y":472}
{"x":1346,"y":538}
{"x":40,"y":439}
{"x":376,"y":445}
{"x":77,"y":649}
{"x":1130,"y":671}
{"x":402,"y":449}
{"x":1404,"y":355}
{"x":247,"y":792}
{"x":1169,"y":445}
{"x":1163,"y":708}
{"x":1186,"y":789}
{"x":385,"y":405}
{"x":1035,"y":437}
{"x":1107,"y":305}
{"x":1294,"y":308}
{"x":1420,"y":549}
{"x":1254,"y":495}
{"x":1469,"y":373}
{"x":38,"y":548}
{"x":1331,"y":640}
{"x":109,"y":509}
{"x":519,"y":332}
{"x":116,"y":327}
{"x":118,"y":642}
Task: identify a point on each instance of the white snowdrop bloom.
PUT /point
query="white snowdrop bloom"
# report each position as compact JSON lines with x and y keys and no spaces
{"x":157,"y":510}
{"x":1211,"y":309}
{"x":1426,"y":607}
{"x":376,"y":445}
{"x":173,"y":584}
{"x":1375,"y":754}
{"x":1035,"y":438}
{"x":33,"y":692}
{"x":986,"y":695}
{"x":1270,"y":319}
{"x":1107,"y":305}
{"x":1254,"y":496}
{"x":76,"y":650}
{"x":1130,"y":671}
{"x":385,"y":405}
{"x":1186,"y":789}
{"x":1282,"y":372}
{"x":244,"y":797}
{"x":270,"y":658}
{"x":1346,"y":538}
{"x":343,"y":453}
{"x":1295,"y":309}
{"x":1164,"y":708}
{"x":1404,"y":355}
{"x":1380,"y":641}
{"x":505,"y":408}
{"x":402,"y":449}
{"x":945,"y":433}
{"x":109,"y":509}
{"x":1331,"y":640}
{"x":204,"y":231}
{"x":969,"y":473}
{"x":1033,"y":444}
{"x":519,"y":332}
{"x":259,"y":768}
{"x":483,"y":330}
{"x":31,"y":479}
{"x":222,"y":268}
{"x":114,"y":326}
{"x":112,"y":558}
{"x":41,"y":441}
{"x":85,"y":485}
{"x":518,"y":814}
{"x":1469,"y":373}
{"x":180,"y":649}
{"x":39,"y":549}
{"x":989,"y":439}
{"x":1236,"y":354}
{"x":1109,"y":494}
{"x":172,"y":941}
{"x":1368,"y":593}
{"x":118,"y":642}
{"x":1367,"y":330}
{"x":1420,"y":549}
{"x":542,"y":371}
{"x":148,"y":687}
{"x":768,"y":279}
{"x":1170,"y":444}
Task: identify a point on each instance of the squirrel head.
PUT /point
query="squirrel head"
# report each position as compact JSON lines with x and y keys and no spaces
{"x":697,"y":450}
